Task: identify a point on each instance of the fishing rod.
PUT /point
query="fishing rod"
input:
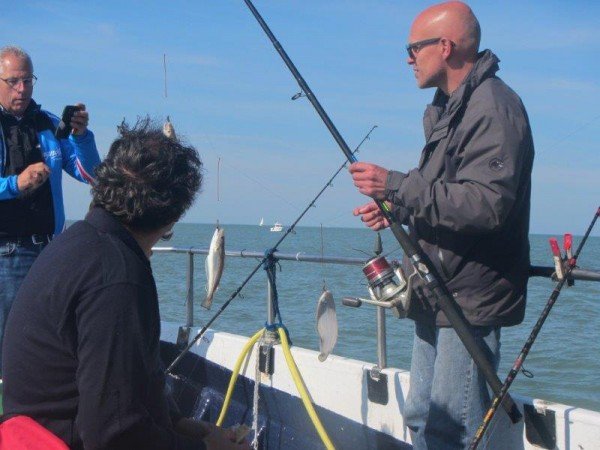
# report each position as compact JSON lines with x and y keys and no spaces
{"x":571,"y":262}
{"x":419,"y":260}
{"x":268,"y":255}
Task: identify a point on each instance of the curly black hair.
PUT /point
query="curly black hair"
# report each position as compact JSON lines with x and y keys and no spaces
{"x":147,"y":179}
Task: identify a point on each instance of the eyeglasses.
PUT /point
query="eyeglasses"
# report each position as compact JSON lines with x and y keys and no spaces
{"x":14,"y":82}
{"x":416,"y":47}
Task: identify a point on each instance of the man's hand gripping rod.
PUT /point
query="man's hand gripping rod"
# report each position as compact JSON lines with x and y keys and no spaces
{"x":431,"y":279}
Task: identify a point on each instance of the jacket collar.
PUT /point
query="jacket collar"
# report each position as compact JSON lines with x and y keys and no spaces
{"x":6,"y":118}
{"x":32,"y":109}
{"x":106,"y":222}
{"x":443,"y":108}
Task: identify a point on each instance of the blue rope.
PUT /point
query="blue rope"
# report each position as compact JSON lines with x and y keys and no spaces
{"x":270,"y":266}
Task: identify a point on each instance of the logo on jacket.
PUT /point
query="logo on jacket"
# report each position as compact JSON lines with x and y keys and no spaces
{"x":496,"y":164}
{"x":52,"y":154}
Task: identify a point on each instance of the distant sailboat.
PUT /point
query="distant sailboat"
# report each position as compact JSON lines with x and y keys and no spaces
{"x":262,"y":222}
{"x":278,"y":227}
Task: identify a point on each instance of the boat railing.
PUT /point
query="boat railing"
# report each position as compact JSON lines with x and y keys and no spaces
{"x":535,"y":271}
{"x":280,"y":256}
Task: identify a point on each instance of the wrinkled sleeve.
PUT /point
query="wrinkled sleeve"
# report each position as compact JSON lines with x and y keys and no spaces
{"x":115,"y":374}
{"x":80,"y":156}
{"x":487,"y":178}
{"x":392,"y":185}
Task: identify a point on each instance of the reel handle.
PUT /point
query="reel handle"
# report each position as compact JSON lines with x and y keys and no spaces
{"x":352,"y":302}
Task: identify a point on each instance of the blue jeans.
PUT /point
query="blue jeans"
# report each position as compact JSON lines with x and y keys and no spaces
{"x":15,"y":260}
{"x":448,"y":395}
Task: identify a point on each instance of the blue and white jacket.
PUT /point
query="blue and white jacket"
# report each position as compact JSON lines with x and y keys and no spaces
{"x":77,"y":155}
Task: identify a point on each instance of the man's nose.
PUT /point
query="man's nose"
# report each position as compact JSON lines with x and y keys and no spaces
{"x":20,"y":86}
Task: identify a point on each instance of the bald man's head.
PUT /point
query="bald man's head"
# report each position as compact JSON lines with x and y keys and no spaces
{"x":452,"y":20}
{"x":443,"y":45}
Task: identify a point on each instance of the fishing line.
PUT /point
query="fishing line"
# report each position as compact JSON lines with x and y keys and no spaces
{"x":392,"y":251}
{"x":218,"y":178}
{"x":361,"y":251}
{"x":268,"y":255}
{"x":242,"y":173}
{"x":577,"y":130}
{"x":369,"y":255}
{"x":165,"y":71}
{"x":266,"y":188}
{"x":421,"y":264}
{"x":338,"y":217}
{"x":322,"y":257}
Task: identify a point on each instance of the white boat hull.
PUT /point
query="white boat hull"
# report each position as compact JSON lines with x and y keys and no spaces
{"x":340,"y":385}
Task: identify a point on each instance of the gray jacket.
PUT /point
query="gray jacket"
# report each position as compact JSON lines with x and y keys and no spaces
{"x":467,"y":203}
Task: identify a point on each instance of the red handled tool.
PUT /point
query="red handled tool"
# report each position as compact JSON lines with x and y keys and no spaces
{"x":567,"y":246}
{"x":532,"y":336}
{"x":557,"y":258}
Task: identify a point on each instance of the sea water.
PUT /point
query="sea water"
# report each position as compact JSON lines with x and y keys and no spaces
{"x":564,"y":360}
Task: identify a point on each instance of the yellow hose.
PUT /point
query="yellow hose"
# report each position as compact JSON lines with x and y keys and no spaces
{"x":302,"y":390}
{"x":236,"y":372}
{"x":295,"y":376}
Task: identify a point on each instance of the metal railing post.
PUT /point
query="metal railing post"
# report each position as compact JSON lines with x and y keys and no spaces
{"x":190,"y":291}
{"x":381,"y":339}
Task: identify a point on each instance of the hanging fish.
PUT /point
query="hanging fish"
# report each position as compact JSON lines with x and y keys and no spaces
{"x":215,"y":261}
{"x":327,"y":325}
{"x":168,"y":129}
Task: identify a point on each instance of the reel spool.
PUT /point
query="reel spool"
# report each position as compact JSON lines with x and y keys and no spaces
{"x":387,"y":284}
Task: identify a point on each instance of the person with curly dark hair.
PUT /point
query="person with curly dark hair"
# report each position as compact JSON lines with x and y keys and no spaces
{"x":82,"y":342}
{"x":147,"y":180}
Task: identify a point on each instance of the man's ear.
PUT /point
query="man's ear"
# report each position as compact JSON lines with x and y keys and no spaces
{"x":448,"y":47}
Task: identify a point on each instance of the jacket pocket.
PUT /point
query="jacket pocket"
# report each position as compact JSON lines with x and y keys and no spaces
{"x":453,"y":251}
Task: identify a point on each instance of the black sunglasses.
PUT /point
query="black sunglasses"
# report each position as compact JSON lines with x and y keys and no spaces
{"x":416,"y":47}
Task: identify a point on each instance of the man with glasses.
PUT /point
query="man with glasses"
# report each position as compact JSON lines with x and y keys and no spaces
{"x":31,"y":163}
{"x":467,"y":205}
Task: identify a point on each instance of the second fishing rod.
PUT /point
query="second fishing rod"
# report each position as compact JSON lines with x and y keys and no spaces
{"x":518,"y":364}
{"x":421,"y":264}
{"x":269,"y":254}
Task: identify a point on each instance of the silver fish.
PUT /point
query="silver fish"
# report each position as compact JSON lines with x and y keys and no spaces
{"x":327,"y":325}
{"x":215,"y":261}
{"x":168,"y":129}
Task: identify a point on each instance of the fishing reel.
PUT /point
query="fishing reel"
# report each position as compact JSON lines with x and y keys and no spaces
{"x":388,"y":286}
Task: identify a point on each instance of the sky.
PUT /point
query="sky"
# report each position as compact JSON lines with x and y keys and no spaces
{"x":228,"y":93}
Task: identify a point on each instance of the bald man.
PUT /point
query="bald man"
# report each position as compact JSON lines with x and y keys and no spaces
{"x":467,"y":205}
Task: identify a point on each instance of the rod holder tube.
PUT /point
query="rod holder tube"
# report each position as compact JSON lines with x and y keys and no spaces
{"x":270,"y":298}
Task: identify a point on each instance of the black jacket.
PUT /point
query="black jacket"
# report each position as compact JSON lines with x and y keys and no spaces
{"x":81,"y":346}
{"x":467,"y":203}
